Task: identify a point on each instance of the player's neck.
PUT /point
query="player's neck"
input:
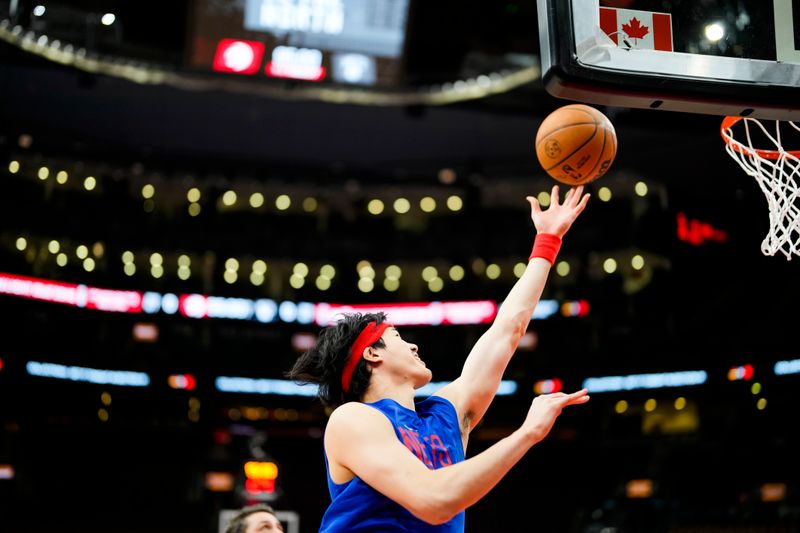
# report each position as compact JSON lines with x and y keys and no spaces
{"x":401,"y":393}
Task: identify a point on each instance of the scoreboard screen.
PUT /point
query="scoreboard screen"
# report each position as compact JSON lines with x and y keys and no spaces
{"x":341,"y":41}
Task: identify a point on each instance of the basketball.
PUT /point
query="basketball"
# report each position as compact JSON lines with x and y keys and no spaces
{"x":576,"y":144}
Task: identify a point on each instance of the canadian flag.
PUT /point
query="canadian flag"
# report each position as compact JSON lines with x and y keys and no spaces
{"x":643,"y":30}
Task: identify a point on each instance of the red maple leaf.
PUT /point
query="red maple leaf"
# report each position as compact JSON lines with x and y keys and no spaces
{"x":634,"y":29}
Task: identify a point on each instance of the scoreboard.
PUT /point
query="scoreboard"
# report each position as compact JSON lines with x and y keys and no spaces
{"x":340,"y":41}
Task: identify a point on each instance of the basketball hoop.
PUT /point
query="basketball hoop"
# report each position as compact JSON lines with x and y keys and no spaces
{"x":777,"y":172}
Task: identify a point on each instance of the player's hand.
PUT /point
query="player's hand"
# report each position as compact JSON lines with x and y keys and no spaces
{"x":546,"y":408}
{"x":558,"y":218}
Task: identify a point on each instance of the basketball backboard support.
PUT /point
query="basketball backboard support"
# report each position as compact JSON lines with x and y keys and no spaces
{"x":717,"y":57}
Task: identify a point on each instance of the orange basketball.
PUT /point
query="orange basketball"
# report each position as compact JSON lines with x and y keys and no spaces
{"x":576,"y":144}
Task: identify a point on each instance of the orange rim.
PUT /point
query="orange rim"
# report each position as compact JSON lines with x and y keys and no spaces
{"x":725,"y":127}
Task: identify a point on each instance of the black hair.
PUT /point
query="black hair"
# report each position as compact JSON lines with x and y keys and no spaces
{"x":323,"y":364}
{"x":238,"y":523}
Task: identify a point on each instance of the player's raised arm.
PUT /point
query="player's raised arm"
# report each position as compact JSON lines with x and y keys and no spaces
{"x":474,"y":390}
{"x":360,"y":442}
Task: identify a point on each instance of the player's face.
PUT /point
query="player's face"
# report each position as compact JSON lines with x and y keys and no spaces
{"x":262,"y":521}
{"x":403,"y":357}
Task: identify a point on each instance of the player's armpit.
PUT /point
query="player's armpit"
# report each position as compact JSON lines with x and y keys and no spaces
{"x":362,"y":440}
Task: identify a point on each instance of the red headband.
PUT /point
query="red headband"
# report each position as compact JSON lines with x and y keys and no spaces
{"x":368,"y":336}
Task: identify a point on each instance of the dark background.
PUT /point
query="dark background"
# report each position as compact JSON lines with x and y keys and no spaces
{"x":707,"y":307}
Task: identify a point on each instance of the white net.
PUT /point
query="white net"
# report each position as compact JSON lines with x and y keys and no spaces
{"x":777,"y":173}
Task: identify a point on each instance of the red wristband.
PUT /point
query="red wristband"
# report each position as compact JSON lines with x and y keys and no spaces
{"x":546,"y":246}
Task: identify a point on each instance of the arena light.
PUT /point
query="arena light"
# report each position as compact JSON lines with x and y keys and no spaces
{"x":773,"y":492}
{"x":738,"y":373}
{"x":259,"y":486}
{"x":182,"y":381}
{"x":427,"y":204}
{"x":71,"y":294}
{"x":200,"y":306}
{"x":645,"y":381}
{"x":714,"y":31}
{"x":436,"y":284}
{"x":548,"y":386}
{"x":145,"y":332}
{"x":621,"y":407}
{"x":610,"y":265}
{"x":579,"y":308}
{"x":329,"y":271}
{"x":375,"y":206}
{"x":6,"y":472}
{"x":456,"y":272}
{"x":545,"y":309}
{"x":506,"y":388}
{"x":302,"y":342}
{"x":415,"y":314}
{"x":784,"y":368}
{"x":260,"y":470}
{"x":296,"y":63}
{"x":238,"y":57}
{"x":639,"y":488}
{"x":256,"y":200}
{"x":277,"y":387}
{"x":219,"y":481}
{"x":401,"y":205}
{"x":88,"y":375}
{"x":354,"y":68}
{"x":697,"y":233}
{"x":454,"y":203}
{"x":260,"y":477}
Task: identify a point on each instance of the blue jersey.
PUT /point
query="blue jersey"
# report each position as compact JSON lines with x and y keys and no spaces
{"x":433,"y":435}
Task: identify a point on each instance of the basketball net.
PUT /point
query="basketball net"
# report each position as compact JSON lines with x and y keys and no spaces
{"x":777,"y":172}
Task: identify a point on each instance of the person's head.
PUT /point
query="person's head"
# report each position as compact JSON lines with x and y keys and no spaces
{"x":388,"y":356}
{"x":254,"y":519}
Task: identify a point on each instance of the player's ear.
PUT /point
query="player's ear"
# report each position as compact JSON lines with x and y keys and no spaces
{"x":371,"y":355}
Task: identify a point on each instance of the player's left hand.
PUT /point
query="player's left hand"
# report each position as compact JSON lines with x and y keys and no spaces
{"x":558,"y":218}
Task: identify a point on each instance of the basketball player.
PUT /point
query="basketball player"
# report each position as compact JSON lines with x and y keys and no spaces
{"x":394,"y":465}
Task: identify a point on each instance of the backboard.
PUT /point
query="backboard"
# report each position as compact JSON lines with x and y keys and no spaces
{"x":720,"y":57}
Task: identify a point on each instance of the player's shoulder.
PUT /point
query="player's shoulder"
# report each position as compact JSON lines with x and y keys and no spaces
{"x":353,"y":413}
{"x":353,"y":418}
